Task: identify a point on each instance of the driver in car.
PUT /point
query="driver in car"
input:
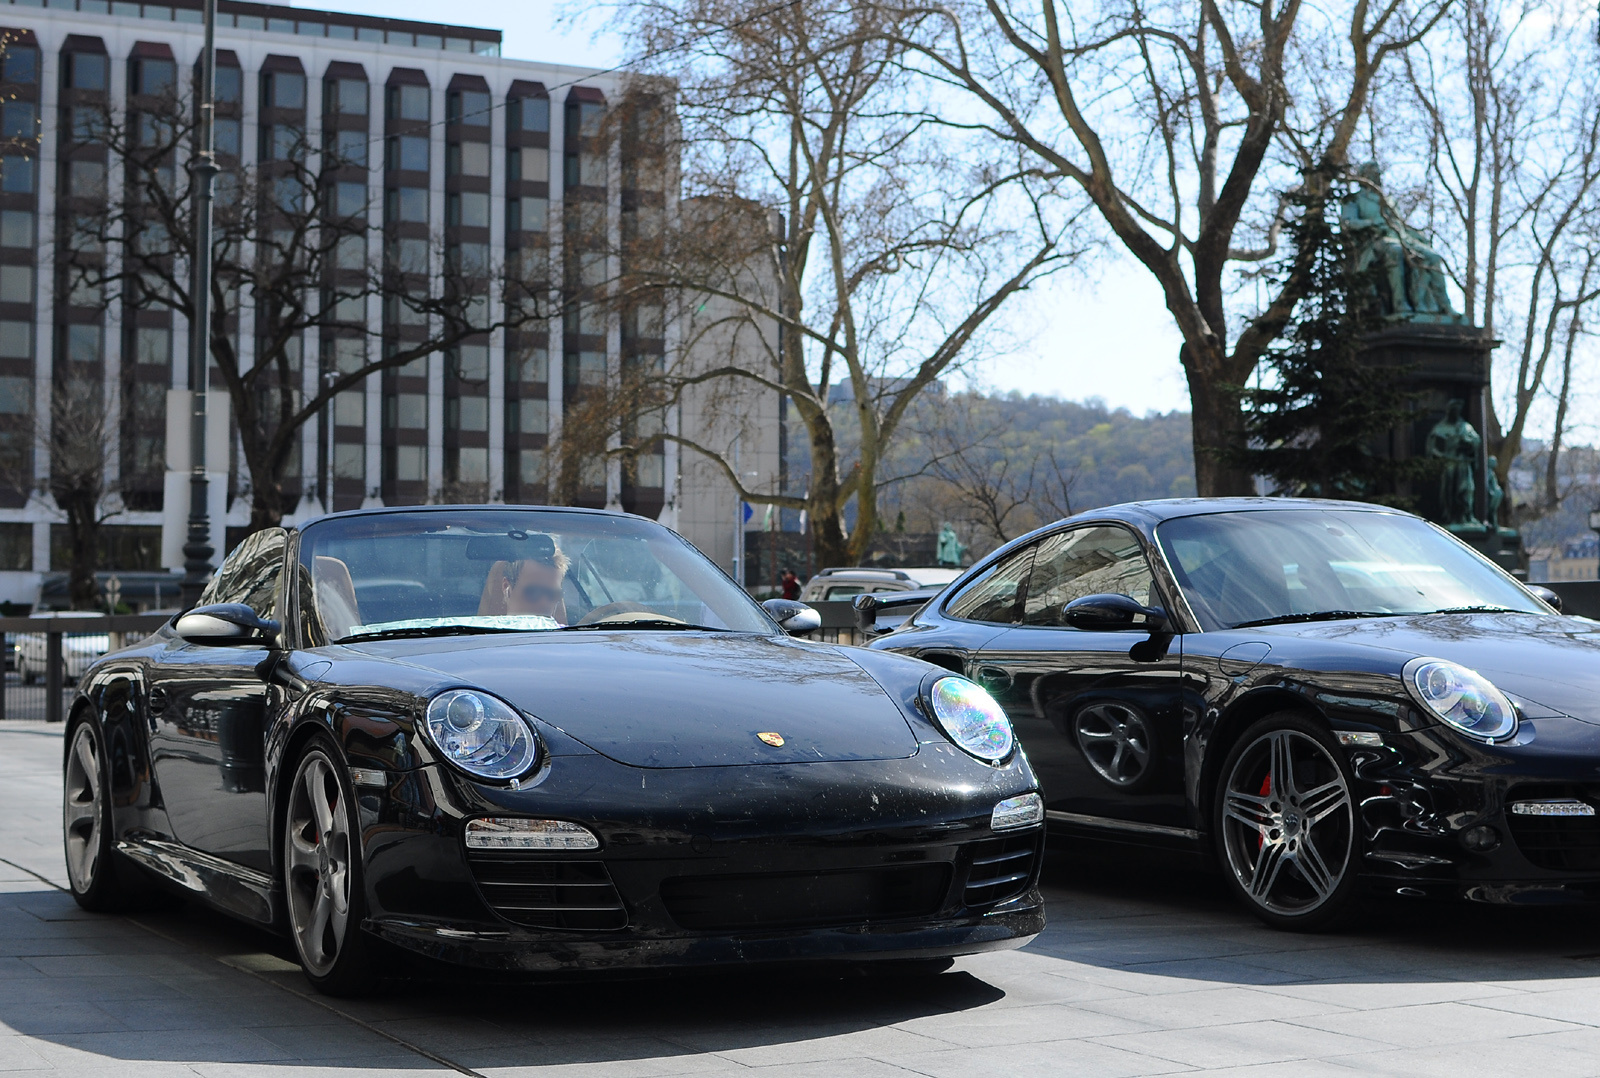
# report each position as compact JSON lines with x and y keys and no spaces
{"x":533,"y":585}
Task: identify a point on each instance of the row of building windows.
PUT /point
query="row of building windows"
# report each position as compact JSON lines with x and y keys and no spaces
{"x":129,"y":9}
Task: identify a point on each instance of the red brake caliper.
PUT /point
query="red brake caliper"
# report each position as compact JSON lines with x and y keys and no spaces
{"x":1266,"y":791}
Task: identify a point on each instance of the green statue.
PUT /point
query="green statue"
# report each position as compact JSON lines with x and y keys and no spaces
{"x":1454,"y":443}
{"x":950,"y":551}
{"x":1494,"y":493}
{"x":1411,"y":270}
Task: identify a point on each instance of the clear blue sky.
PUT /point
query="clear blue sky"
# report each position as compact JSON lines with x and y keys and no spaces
{"x":1106,"y":337}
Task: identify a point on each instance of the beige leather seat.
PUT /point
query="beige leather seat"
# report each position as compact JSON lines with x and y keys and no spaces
{"x":336,"y":596}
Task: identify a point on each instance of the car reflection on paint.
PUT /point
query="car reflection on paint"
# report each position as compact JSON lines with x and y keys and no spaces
{"x":544,"y":740}
{"x":1329,"y":698}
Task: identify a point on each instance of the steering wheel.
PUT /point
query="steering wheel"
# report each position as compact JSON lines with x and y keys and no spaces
{"x":622,"y":612}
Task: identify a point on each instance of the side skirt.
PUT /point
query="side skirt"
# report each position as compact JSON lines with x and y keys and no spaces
{"x":243,"y":892}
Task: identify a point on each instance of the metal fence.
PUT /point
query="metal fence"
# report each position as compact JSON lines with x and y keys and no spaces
{"x":44,"y":657}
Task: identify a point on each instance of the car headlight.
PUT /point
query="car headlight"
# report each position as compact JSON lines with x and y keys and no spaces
{"x":1461,"y":698}
{"x":481,"y":734}
{"x":971,"y":718}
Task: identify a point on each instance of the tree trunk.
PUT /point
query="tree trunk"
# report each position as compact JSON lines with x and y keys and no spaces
{"x":1218,"y":426}
{"x":83,"y":539}
{"x":266,"y":484}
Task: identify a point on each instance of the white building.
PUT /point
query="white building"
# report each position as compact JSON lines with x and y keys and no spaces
{"x":499,"y":152}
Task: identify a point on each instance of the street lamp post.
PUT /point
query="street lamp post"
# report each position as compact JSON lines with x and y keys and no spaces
{"x":197,"y":552}
{"x":1594,"y":520}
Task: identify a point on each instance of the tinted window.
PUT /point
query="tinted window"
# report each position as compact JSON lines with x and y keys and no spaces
{"x":229,"y":85}
{"x":994,"y":596}
{"x":1084,"y":561}
{"x":87,"y":71}
{"x":19,"y":65}
{"x":250,"y":575}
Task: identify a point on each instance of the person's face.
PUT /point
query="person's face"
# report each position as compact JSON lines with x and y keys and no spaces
{"x":537,"y":590}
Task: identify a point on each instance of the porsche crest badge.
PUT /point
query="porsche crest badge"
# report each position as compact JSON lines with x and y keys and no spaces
{"x":775,"y":740}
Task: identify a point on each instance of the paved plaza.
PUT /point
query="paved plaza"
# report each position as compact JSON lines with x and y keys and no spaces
{"x":1149,"y":971}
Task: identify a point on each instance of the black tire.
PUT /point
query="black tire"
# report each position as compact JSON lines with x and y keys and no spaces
{"x":1289,"y":847}
{"x":100,"y":879}
{"x":323,"y":877}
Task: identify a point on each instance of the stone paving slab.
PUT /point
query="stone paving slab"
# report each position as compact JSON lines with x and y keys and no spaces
{"x":1147,"y":968}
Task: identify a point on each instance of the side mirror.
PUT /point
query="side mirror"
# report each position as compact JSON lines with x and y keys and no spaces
{"x":1112,"y":613}
{"x":1549,"y":597}
{"x":792,"y":617}
{"x":221,"y":624}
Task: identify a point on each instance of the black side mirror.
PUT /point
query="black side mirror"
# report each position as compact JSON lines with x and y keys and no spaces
{"x":1111,"y":613}
{"x":792,"y":617}
{"x":221,"y":624}
{"x":1550,"y":598}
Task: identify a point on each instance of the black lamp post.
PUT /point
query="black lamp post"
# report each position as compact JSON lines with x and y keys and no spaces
{"x":1594,"y":520}
{"x":197,"y":552}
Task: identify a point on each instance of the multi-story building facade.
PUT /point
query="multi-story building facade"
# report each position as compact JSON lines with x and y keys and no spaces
{"x":506,"y":160}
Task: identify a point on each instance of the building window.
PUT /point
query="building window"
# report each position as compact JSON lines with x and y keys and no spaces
{"x":472,"y":465}
{"x":16,"y":340}
{"x":350,"y":409}
{"x":532,"y":416}
{"x":155,"y":77}
{"x":16,"y":228}
{"x":16,"y":174}
{"x":230,"y":86}
{"x":528,"y":114}
{"x":349,"y":461}
{"x":19,"y":119}
{"x":529,"y":214}
{"x":471,"y":363}
{"x":348,"y":97}
{"x":409,"y":102}
{"x":16,"y":284}
{"x":85,"y":179}
{"x":410,"y":463}
{"x":469,"y":107}
{"x":467,"y":413}
{"x":350,"y":147}
{"x":468,"y":209}
{"x":83,"y":344}
{"x":152,"y":344}
{"x":408,"y":153}
{"x":16,"y":547}
{"x":530,"y":163}
{"x":86,"y":71}
{"x":19,"y":64}
{"x":285,"y":90}
{"x":467,"y":159}
{"x":16,"y":395}
{"x":228,"y":136}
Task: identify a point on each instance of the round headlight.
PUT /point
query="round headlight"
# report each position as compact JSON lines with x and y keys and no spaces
{"x":480,"y":734}
{"x":1461,"y":698}
{"x":966,"y":712}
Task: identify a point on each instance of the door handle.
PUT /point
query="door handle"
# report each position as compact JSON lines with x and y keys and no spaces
{"x":997,"y":677}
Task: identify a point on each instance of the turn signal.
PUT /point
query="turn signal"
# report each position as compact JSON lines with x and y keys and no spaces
{"x":1015,"y":812}
{"x":512,"y":833}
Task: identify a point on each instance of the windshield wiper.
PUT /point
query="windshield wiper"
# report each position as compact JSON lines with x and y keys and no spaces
{"x":1315,"y":615}
{"x":647,"y":623}
{"x":1477,"y":610}
{"x":432,"y":630}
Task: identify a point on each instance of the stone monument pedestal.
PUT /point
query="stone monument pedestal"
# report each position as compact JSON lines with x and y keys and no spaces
{"x":1441,"y":363}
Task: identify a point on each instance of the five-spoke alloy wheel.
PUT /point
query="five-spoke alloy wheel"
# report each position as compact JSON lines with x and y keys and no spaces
{"x":1285,"y":823}
{"x":322,"y":873}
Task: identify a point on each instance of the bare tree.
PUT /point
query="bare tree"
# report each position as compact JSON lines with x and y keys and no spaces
{"x":77,"y":436}
{"x":1187,"y":126}
{"x":295,"y":242}
{"x":1512,"y":149}
{"x":983,"y":477}
{"x":833,"y":234}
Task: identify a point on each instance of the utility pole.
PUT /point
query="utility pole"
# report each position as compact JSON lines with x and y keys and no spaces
{"x":197,"y":552}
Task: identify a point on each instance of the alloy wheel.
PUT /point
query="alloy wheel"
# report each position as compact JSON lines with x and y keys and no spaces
{"x":1288,"y":822}
{"x":81,"y":810}
{"x":1116,"y":741}
{"x":317,"y":850}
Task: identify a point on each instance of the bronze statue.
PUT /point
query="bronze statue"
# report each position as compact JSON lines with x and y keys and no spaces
{"x":950,"y":550}
{"x":1493,"y":493}
{"x":1454,"y":443}
{"x":1412,"y":271}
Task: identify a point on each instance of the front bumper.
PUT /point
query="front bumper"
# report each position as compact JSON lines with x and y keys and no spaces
{"x":853,"y":861}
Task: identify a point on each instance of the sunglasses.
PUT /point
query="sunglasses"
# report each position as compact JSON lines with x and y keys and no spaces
{"x":538,"y":593}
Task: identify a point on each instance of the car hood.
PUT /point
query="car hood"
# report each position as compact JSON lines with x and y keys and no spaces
{"x":1539,"y":658}
{"x":679,"y":699}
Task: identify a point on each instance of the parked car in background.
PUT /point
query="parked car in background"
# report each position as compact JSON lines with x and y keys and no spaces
{"x":846,"y":582}
{"x":78,"y":651}
{"x":1330,"y":698}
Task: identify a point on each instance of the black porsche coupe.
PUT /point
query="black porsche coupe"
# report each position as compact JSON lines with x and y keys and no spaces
{"x":1330,"y":697}
{"x":543,"y":740}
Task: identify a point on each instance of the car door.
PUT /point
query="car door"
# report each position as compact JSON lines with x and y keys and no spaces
{"x":1098,"y":712}
{"x":208,"y":712}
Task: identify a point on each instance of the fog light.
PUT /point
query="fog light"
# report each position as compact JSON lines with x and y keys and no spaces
{"x":1482,"y":838}
{"x":1015,"y":812}
{"x":1563,"y":806}
{"x":511,"y":833}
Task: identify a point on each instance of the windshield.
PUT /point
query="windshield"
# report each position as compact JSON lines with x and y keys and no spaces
{"x":1243,"y":568}
{"x":507,"y":570}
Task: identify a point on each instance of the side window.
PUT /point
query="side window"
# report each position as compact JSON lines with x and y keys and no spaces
{"x":1085,"y":561}
{"x":250,"y":575}
{"x":994,"y":596}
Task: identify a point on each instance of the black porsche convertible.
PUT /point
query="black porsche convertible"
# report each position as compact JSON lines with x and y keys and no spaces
{"x":543,"y":740}
{"x":1332,"y":698}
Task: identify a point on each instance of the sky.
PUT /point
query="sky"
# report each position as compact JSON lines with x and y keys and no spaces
{"x":1107,"y":336}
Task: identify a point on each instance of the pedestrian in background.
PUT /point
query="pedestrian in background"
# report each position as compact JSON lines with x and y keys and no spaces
{"x":790,"y":584}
